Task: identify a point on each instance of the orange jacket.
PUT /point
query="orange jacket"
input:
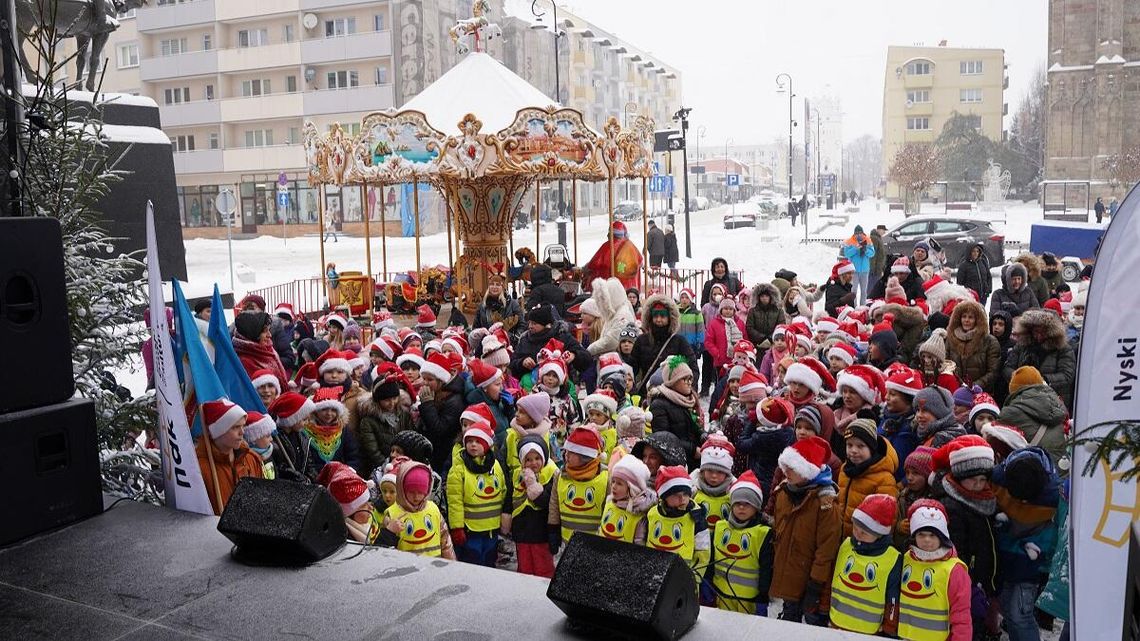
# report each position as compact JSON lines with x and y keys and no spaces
{"x":245,"y":462}
{"x":879,"y":478}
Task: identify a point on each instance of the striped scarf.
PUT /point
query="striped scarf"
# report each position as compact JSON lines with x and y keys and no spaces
{"x":326,"y":439}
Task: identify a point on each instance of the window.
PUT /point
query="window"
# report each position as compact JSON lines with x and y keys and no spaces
{"x":172,"y":47}
{"x":340,"y":27}
{"x":130,"y":13}
{"x":919,"y":123}
{"x":287,"y":33}
{"x":214,"y":141}
{"x":294,"y":137}
{"x":259,"y":87}
{"x":946,"y":227}
{"x":381,"y":75}
{"x":378,"y":22}
{"x":209,"y":92}
{"x":207,"y":41}
{"x":291,"y":84}
{"x":182,"y":143}
{"x":253,"y":37}
{"x":970,"y":67}
{"x":913,"y":229}
{"x":918,"y":68}
{"x":259,"y":138}
{"x":975,"y":121}
{"x":128,"y":55}
{"x":918,"y":96}
{"x":177,"y":95}
{"x":351,"y":129}
{"x":343,"y":79}
{"x":970,"y":95}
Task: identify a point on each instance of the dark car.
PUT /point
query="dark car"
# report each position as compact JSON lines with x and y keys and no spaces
{"x":956,"y":235}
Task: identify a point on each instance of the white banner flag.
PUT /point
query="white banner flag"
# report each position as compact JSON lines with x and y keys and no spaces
{"x":184,"y":487}
{"x":1104,"y":508}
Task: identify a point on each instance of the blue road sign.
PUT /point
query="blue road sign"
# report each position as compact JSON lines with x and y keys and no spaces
{"x":733,"y":180}
{"x":661,"y":184}
{"x":656,"y":168}
{"x":282,"y":199}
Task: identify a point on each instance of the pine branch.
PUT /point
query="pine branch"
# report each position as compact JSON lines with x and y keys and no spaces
{"x":1119,"y":447}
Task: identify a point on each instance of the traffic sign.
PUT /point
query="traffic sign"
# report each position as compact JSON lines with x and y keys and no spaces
{"x":732,"y":180}
{"x":282,"y":179}
{"x":282,"y":199}
{"x":656,"y":167}
{"x":665,"y":140}
{"x":226,"y":202}
{"x":661,"y":184}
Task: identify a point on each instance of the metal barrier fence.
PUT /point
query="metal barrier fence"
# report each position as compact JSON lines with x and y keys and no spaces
{"x":671,"y":281}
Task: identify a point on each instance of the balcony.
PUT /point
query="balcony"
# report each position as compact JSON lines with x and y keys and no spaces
{"x":207,"y":161}
{"x":920,"y":109}
{"x":231,"y":10}
{"x":286,"y":54}
{"x":199,"y":112}
{"x":918,"y":135}
{"x":280,"y":105}
{"x":372,"y":44}
{"x":176,"y":16}
{"x":184,"y":65}
{"x":325,"y":5}
{"x":263,"y":159}
{"x":918,"y":81}
{"x":336,"y":101}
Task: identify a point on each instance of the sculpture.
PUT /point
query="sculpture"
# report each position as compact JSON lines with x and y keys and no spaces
{"x":995,"y":183}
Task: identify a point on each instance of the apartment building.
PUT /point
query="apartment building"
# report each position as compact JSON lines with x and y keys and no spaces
{"x":236,"y":81}
{"x":925,"y":86}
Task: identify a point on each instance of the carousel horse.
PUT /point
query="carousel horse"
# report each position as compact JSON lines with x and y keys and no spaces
{"x":527,"y":260}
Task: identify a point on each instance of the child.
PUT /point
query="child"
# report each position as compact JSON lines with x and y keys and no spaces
{"x":743,"y":553}
{"x":714,"y":477}
{"x":600,"y":408}
{"x":553,"y":380}
{"x":808,"y":528}
{"x":528,"y":510}
{"x":869,"y":469}
{"x":485,"y":385}
{"x":1005,"y":439}
{"x":728,"y":403}
{"x":414,"y":522}
{"x":935,"y":594}
{"x":580,"y":489}
{"x":618,"y":384}
{"x":328,"y":438}
{"x":629,"y":500}
{"x":291,"y":450}
{"x":630,"y":423}
{"x":865,"y":588}
{"x":380,"y":417}
{"x":626,"y":340}
{"x":267,"y":386}
{"x":984,"y":411}
{"x":723,"y":332}
{"x":768,"y":432}
{"x":531,"y":420}
{"x":934,"y":423}
{"x":692,"y":321}
{"x":676,"y":407}
{"x":914,"y":486}
{"x":361,"y":519}
{"x":897,"y":422}
{"x":806,"y":424}
{"x":964,"y":404}
{"x":258,"y":433}
{"x":840,"y":356}
{"x":677,"y":524}
{"x":384,"y":483}
{"x":475,"y":497}
{"x":334,"y":371}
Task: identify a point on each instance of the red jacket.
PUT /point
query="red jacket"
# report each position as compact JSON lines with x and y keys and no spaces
{"x":255,"y":356}
{"x":716,"y":340}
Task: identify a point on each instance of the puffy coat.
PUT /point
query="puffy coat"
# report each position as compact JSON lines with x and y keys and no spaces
{"x":376,"y":433}
{"x":763,"y":319}
{"x":616,"y":312}
{"x":1034,"y":281}
{"x":729,"y":280}
{"x":505,"y":310}
{"x":655,"y":241}
{"x":837,"y":295}
{"x":672,"y":252}
{"x":1053,"y":356}
{"x":974,"y":539}
{"x":1029,"y":521}
{"x":530,"y":343}
{"x":677,"y":420}
{"x":1013,"y":302}
{"x":763,"y":447}
{"x":978,"y":360}
{"x":908,"y":325}
{"x":878,"y":478}
{"x":693,"y":327}
{"x":652,"y":340}
{"x":245,"y":462}
{"x":716,"y":340}
{"x":808,"y":534}
{"x":439,"y":421}
{"x":543,"y":289}
{"x":860,"y":256}
{"x":899,"y":431}
{"x":1034,"y":408}
{"x":975,"y":274}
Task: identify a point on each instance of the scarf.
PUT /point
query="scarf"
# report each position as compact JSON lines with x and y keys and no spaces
{"x":732,"y":332}
{"x":326,"y":439}
{"x":853,"y":470}
{"x":539,"y":429}
{"x":965,"y":336}
{"x":984,"y":502}
{"x":264,"y":452}
{"x":553,"y":393}
{"x":688,"y":402}
{"x":743,"y":524}
{"x":713,"y":490}
{"x":584,"y":473}
{"x":481,"y":465}
{"x":923,"y":555}
{"x":671,"y":513}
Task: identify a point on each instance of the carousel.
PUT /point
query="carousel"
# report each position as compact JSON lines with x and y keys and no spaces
{"x":507,"y":139}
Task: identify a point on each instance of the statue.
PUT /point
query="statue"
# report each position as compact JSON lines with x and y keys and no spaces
{"x":995,"y":184}
{"x":477,"y":27}
{"x":90,"y":22}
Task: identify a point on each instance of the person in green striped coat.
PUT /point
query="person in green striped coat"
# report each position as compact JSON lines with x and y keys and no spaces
{"x":692,"y":321}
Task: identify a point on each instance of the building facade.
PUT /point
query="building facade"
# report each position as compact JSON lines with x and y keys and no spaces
{"x":925,"y":86}
{"x":236,"y":81}
{"x":1093,"y":91}
{"x":825,"y":149}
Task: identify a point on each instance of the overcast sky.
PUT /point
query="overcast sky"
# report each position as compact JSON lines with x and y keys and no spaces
{"x":730,"y":52}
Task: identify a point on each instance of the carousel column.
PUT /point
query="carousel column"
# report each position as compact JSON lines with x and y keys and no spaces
{"x":610,"y":207}
{"x":644,"y":249}
{"x":416,"y":213}
{"x":383,"y":238}
{"x":369,"y":281}
{"x":574,"y":216}
{"x":644,"y":209}
{"x":537,"y":219}
{"x":321,"y":234}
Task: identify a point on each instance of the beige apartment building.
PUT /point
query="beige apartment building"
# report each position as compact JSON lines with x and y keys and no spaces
{"x":235,"y":82}
{"x":925,"y":86}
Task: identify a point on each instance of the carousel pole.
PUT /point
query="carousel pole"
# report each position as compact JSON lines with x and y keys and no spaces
{"x":321,"y":234}
{"x":610,"y":207}
{"x":537,"y":218}
{"x":416,"y":213}
{"x":644,"y":246}
{"x":574,"y":216}
{"x":383,"y":237}
{"x":447,"y":215}
{"x":644,"y":209}
{"x":368,"y":246}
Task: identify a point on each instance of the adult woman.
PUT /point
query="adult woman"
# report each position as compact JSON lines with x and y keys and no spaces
{"x":660,"y":338}
{"x":496,"y":307}
{"x":975,"y":353}
{"x":672,"y":253}
{"x":721,"y":275}
{"x":974,"y":272}
{"x":253,"y":342}
{"x":614,"y":313}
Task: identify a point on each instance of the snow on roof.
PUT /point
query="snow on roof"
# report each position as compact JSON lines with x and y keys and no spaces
{"x":479,"y":85}
{"x":128,"y":134}
{"x":104,"y":98}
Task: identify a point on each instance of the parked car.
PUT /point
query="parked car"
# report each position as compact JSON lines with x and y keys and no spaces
{"x":742,"y":218}
{"x":956,"y":235}
{"x":627,"y":210}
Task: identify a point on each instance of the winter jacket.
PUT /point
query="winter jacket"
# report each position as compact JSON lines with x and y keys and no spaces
{"x":255,"y":356}
{"x":763,"y":446}
{"x":543,"y":289}
{"x":859,"y":255}
{"x":1013,"y":302}
{"x":677,"y":420}
{"x":439,"y":421}
{"x":503,"y":310}
{"x":529,"y":344}
{"x":530,"y":525}
{"x":1054,"y":597}
{"x":898,"y":429}
{"x":908,"y":327}
{"x":1035,"y":408}
{"x":1029,"y":522}
{"x":652,"y":342}
{"x":245,"y":462}
{"x":1033,"y":281}
{"x":973,"y":535}
{"x":672,"y":253}
{"x":876,"y":478}
{"x":1053,"y":357}
{"x":347,"y":451}
{"x":763,"y":319}
{"x":283,"y":343}
{"x":975,"y":274}
{"x":692,"y":327}
{"x":938,"y":432}
{"x":376,"y":431}
{"x":503,"y":409}
{"x":730,"y":282}
{"x":655,"y":241}
{"x":717,"y":343}
{"x":808,"y":527}
{"x":976,"y":361}
{"x":836,"y":295}
{"x":912,"y":285}
{"x":879,"y":258}
{"x":616,"y":312}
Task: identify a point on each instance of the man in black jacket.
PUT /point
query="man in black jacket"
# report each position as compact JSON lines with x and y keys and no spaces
{"x":541,"y":327}
{"x":838,"y":291}
{"x":543,"y":289}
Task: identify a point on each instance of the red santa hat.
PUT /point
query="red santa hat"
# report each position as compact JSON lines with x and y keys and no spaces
{"x":555,"y":365}
{"x":334,"y":360}
{"x":620,"y":230}
{"x":388,"y":347}
{"x":221,"y":415}
{"x":753,"y":386}
{"x":583,"y":441}
{"x":336,"y":319}
{"x":552,"y":346}
{"x":901,"y":265}
{"x":805,"y":342}
{"x":609,"y":363}
{"x":346,"y":487}
{"x":478,"y":413}
{"x":775,"y":412}
{"x":826,"y":324}
{"x":1004,"y":434}
{"x":382,"y":318}
{"x":744,"y":346}
{"x":928,"y":513}
{"x":456,"y":343}
{"x":905,"y":381}
{"x":425,"y":317}
{"x":866,"y":381}
{"x":800,"y":328}
{"x":290,"y":408}
{"x":844,"y":266}
{"x":965,"y":456}
{"x":265,"y":377}
{"x":933,"y":284}
{"x":746,"y":489}
{"x":673,"y":478}
{"x":257,"y":425}
{"x":685,"y":291}
{"x":876,"y":513}
{"x":307,"y":375}
{"x":329,"y":397}
{"x":806,"y":457}
{"x":284,"y":310}
{"x":717,"y":452}
{"x":484,"y":375}
{"x":438,"y":366}
{"x":411,"y":355}
{"x":811,"y":372}
{"x":480,"y":430}
{"x":843,"y":352}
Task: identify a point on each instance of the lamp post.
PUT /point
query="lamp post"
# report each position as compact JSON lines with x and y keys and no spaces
{"x":700,"y":177}
{"x":557,"y":80}
{"x":818,"y":155}
{"x":683,"y":115}
{"x":791,"y":123}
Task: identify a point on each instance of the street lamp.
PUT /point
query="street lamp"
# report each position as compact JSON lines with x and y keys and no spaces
{"x":791,"y":123}
{"x":700,"y":177}
{"x":818,"y":155}
{"x":683,"y":115}
{"x":557,"y":78}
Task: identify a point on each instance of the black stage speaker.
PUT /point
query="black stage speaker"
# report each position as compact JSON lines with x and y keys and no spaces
{"x":33,"y":315}
{"x":625,"y":588}
{"x":49,"y":467}
{"x":283,"y":523}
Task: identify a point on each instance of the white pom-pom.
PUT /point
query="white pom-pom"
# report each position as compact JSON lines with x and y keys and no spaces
{"x":622,"y":422}
{"x":648,"y":416}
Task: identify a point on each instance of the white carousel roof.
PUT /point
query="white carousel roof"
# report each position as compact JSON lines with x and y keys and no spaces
{"x":478,"y":85}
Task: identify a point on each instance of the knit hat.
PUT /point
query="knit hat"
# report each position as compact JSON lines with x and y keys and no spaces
{"x":536,"y":406}
{"x":602,"y":401}
{"x":717,"y":453}
{"x":806,"y":458}
{"x":984,"y":403}
{"x":631,"y":422}
{"x":935,"y":345}
{"x":675,"y":369}
{"x":810,"y":413}
{"x":776,"y":412}
{"x":583,"y":441}
{"x":220,"y":415}
{"x":812,"y":373}
{"x":411,"y":356}
{"x":542,"y":313}
{"x":438,"y":366}
{"x":494,"y":353}
{"x":265,"y":377}
{"x":533,"y":443}
{"x":290,"y":408}
{"x":928,"y":513}
{"x":482,"y":374}
{"x":1025,"y":475}
{"x":628,"y":333}
{"x":965,"y":456}
{"x":876,"y":513}
{"x":864,"y":380}
{"x":753,"y":387}
{"x":249,"y":325}
{"x":1025,"y":376}
{"x":843,"y":352}
{"x":726,"y":303}
{"x":329,"y":398}
{"x":964,"y":396}
{"x":635,"y":474}
{"x":672,"y":479}
{"x":478,"y":413}
{"x":346,"y":487}
{"x":894,"y":292}
{"x":746,"y":489}
{"x":921,"y":460}
{"x":415,"y":446}
{"x":425,"y":317}
{"x":736,"y":372}
{"x":257,"y":425}
{"x":416,"y":478}
{"x":935,"y":400}
{"x":482,"y":431}
{"x":900,"y":266}
{"x":1004,"y":438}
{"x":905,"y":381}
{"x":334,"y":360}
{"x":590,"y":306}
{"x":865,"y":430}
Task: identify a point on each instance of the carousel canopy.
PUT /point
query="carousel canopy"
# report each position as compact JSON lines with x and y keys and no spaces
{"x":479,"y":85}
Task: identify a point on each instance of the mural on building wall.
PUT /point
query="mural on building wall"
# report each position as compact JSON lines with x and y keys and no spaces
{"x":411,"y":55}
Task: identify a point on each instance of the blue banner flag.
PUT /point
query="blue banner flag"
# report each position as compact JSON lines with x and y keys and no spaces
{"x":231,"y":373}
{"x":199,"y":381}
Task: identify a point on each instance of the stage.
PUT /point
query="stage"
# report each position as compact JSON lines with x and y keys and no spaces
{"x":142,"y":572}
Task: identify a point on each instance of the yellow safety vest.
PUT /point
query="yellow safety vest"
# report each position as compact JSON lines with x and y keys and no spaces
{"x":736,"y":565}
{"x":716,"y":507}
{"x":423,"y":530}
{"x":580,"y":503}
{"x":482,"y":498}
{"x":924,"y":605}
{"x":672,"y":534}
{"x":609,"y":441}
{"x":268,"y":470}
{"x":859,"y":588}
{"x":619,"y":524}
{"x":519,"y":500}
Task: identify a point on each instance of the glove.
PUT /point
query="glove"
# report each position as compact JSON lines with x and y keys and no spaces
{"x":554,"y":539}
{"x":458,"y":537}
{"x":1032,"y":551}
{"x":812,"y":593}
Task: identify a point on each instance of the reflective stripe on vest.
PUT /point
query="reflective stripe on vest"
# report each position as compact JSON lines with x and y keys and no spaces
{"x":859,"y":588}
{"x":619,"y":524}
{"x":519,"y":499}
{"x":580,"y":503}
{"x":924,"y":603}
{"x":716,"y":507}
{"x":483,"y":499}
{"x":672,"y":534}
{"x":736,"y":560}
{"x":422,"y":530}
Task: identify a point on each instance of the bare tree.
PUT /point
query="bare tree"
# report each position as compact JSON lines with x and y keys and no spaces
{"x":915,"y":167}
{"x":1123,"y":168}
{"x":1025,"y":151}
{"x":864,"y":169}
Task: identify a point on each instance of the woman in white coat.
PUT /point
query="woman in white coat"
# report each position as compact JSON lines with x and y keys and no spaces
{"x":615,"y":313}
